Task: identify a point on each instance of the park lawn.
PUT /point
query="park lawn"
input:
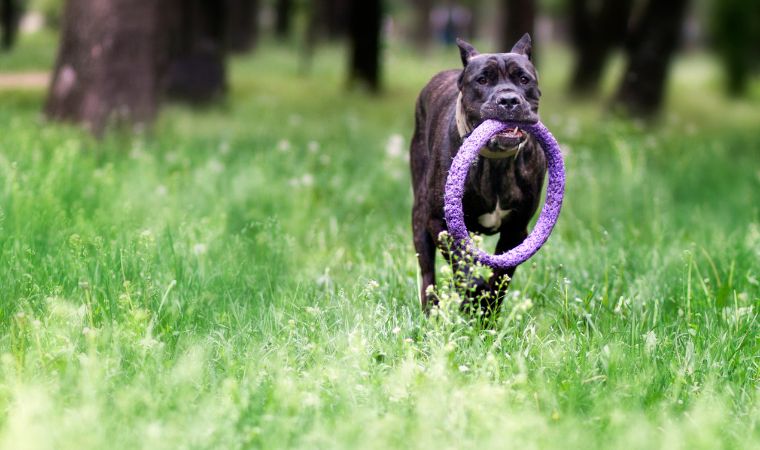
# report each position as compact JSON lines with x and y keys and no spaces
{"x":243,"y":277}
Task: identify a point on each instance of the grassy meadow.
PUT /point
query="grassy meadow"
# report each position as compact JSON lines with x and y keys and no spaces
{"x":242,"y":276}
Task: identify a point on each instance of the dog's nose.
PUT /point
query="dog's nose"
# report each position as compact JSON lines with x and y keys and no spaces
{"x":508,"y":100}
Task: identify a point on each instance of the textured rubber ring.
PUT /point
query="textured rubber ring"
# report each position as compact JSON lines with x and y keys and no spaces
{"x":455,"y":182}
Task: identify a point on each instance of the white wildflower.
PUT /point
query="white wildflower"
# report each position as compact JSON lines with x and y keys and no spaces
{"x":215,"y":166}
{"x":650,"y":342}
{"x":394,"y":148}
{"x":283,"y":145}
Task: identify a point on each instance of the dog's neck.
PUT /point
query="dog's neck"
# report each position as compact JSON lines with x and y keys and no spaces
{"x":464,"y":128}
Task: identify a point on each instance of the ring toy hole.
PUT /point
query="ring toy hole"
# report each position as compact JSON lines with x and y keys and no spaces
{"x":455,"y":183}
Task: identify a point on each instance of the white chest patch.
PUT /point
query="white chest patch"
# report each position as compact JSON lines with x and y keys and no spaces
{"x":493,"y":219}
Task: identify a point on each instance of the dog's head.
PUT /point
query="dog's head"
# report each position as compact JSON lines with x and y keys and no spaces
{"x":501,"y":86}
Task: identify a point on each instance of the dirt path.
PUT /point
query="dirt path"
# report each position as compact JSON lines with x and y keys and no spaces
{"x":24,"y":80}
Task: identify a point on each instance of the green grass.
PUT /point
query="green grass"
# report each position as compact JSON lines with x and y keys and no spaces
{"x":243,"y":277}
{"x":31,"y":52}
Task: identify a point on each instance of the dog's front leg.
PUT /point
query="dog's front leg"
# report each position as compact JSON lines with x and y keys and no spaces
{"x":509,"y":238}
{"x":426,"y":230}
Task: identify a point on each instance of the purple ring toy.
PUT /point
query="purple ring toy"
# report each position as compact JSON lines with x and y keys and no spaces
{"x":455,"y":189}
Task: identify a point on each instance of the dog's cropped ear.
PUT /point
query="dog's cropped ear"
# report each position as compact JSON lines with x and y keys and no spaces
{"x":524,"y":46}
{"x":466,"y":51}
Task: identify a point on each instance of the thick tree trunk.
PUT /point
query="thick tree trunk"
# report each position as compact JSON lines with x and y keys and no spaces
{"x":283,"y":15}
{"x":241,"y":24}
{"x":197,"y":70}
{"x":109,"y":63}
{"x":518,"y":18}
{"x":650,"y":51}
{"x":595,"y":34}
{"x":366,"y":17}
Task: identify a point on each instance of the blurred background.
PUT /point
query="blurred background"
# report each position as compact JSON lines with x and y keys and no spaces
{"x":100,"y":63}
{"x":205,"y":229}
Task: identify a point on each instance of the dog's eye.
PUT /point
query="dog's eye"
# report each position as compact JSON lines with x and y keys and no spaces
{"x":481,"y":79}
{"x":524,"y":79}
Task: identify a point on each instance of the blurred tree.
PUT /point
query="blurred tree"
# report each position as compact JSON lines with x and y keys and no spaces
{"x":333,"y":16}
{"x":597,"y":28}
{"x":476,"y":8}
{"x":283,"y":13}
{"x":736,"y":36}
{"x":326,"y":18}
{"x":650,"y":48}
{"x":518,"y":18}
{"x":116,"y":59}
{"x":422,"y":33}
{"x":10,"y":16}
{"x":109,"y":63}
{"x":364,"y":32}
{"x":241,"y":24}
{"x":197,"y":46}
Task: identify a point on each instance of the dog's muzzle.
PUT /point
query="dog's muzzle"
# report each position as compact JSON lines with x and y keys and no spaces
{"x":505,"y":144}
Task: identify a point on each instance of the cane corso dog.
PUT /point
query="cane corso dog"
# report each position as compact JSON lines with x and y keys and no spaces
{"x":503,"y":187}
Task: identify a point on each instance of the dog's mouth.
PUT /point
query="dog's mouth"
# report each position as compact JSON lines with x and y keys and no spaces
{"x":510,"y":140}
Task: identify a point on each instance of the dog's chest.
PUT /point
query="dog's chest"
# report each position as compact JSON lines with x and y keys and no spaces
{"x":489,"y":203}
{"x":492,"y":220}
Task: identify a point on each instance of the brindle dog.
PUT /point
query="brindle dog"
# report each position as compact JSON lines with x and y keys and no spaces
{"x":503,"y":187}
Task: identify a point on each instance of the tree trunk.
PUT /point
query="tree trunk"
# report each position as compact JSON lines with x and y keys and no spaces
{"x":595,"y":34}
{"x":283,"y":13}
{"x":197,"y":72}
{"x":109,"y":63}
{"x":422,"y":33}
{"x":335,"y":14}
{"x":365,"y":20}
{"x":650,"y":51}
{"x":473,"y":28}
{"x":241,"y":24}
{"x":518,"y":18}
{"x":735,"y":35}
{"x":10,"y":15}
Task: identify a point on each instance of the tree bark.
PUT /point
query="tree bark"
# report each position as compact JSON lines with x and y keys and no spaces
{"x":283,"y":14}
{"x":109,"y":63}
{"x":518,"y":18}
{"x":650,"y":51}
{"x":197,"y":71}
{"x":365,"y":20}
{"x":595,"y":34}
{"x":336,"y":14}
{"x":241,"y":24}
{"x":10,"y":16}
